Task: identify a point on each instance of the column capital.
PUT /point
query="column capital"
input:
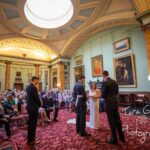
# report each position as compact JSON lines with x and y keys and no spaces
{"x":37,"y":65}
{"x":146,"y":27}
{"x":59,"y":62}
{"x":7,"y":62}
{"x":50,"y":66}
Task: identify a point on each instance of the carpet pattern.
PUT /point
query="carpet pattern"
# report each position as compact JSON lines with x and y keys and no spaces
{"x":62,"y":136}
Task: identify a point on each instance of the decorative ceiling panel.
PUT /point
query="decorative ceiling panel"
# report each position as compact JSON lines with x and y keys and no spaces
{"x":86,"y":12}
{"x":76,"y":24}
{"x":51,"y":34}
{"x":3,"y":30}
{"x":36,"y":32}
{"x":8,"y":1}
{"x":21,"y":25}
{"x":63,"y":31}
{"x":11,"y":13}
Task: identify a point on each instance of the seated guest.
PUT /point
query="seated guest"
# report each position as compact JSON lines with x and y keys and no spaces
{"x":20,"y":103}
{"x":68,"y":98}
{"x":55,"y":104}
{"x":4,"y":119}
{"x":72,"y":103}
{"x":60,"y":98}
{"x":9,"y":106}
{"x":47,"y":103}
{"x":43,"y":116}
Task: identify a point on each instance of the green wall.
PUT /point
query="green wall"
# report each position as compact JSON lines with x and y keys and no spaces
{"x":102,"y":43}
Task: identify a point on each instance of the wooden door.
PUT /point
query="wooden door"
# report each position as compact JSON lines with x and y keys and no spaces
{"x":18,"y":86}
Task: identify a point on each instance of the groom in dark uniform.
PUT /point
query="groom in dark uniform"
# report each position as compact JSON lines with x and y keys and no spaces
{"x":110,"y":94}
{"x":80,"y":96}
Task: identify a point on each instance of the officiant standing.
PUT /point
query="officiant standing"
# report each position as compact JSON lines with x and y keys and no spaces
{"x":80,"y":96}
{"x":110,"y":92}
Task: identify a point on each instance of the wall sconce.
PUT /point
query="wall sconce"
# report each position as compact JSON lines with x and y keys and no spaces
{"x":58,"y":84}
{"x":149,"y":77}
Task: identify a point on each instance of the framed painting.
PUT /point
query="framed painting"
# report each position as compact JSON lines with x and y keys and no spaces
{"x":97,"y":66}
{"x":29,"y":75}
{"x":78,"y":71}
{"x":124,"y":69}
{"x":78,"y":60}
{"x":122,"y":45}
{"x":54,"y":82}
{"x":18,"y":74}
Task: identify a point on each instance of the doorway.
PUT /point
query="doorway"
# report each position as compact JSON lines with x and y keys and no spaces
{"x":18,"y":86}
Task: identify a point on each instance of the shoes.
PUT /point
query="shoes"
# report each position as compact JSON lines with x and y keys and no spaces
{"x":122,"y":138}
{"x":8,"y":138}
{"x":56,"y":120}
{"x":34,"y":142}
{"x":48,"y":120}
{"x":112,"y":141}
{"x":85,"y":134}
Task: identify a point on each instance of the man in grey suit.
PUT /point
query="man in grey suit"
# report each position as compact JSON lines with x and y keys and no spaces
{"x":110,"y":92}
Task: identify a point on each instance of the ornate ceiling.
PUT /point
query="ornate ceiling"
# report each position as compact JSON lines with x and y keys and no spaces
{"x":26,"y":48}
{"x":90,"y":16}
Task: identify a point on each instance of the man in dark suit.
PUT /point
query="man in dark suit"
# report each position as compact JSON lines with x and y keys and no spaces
{"x":80,"y":96}
{"x":110,"y":92}
{"x":33,"y":104}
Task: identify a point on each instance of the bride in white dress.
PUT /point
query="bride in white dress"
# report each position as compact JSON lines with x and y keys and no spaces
{"x":94,"y":96}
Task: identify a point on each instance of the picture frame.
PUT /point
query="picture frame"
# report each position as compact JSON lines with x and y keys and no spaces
{"x":78,"y":71}
{"x":55,"y":81}
{"x":97,"y":65}
{"x":122,"y":45}
{"x":18,"y":74}
{"x":29,"y":75}
{"x":78,"y":60}
{"x":124,"y":71}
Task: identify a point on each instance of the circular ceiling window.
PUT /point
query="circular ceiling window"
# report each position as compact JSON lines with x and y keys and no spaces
{"x":48,"y":13}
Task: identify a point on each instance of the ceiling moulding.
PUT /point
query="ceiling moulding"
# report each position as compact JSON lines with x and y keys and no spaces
{"x":119,"y":6}
{"x":3,"y":30}
{"x":20,"y":60}
{"x":86,"y":12}
{"x":79,"y":38}
{"x":87,"y":1}
{"x":59,"y":44}
{"x":26,"y":48}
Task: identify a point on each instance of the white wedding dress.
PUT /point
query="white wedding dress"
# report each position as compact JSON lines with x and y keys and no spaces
{"x":94,"y":110}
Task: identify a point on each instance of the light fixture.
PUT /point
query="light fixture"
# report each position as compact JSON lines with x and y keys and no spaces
{"x":149,"y":77}
{"x":58,"y":84}
{"x":48,"y":13}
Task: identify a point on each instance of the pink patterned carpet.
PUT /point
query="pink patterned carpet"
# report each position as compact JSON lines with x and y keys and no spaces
{"x":62,"y":136}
